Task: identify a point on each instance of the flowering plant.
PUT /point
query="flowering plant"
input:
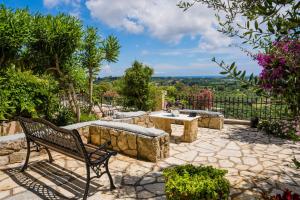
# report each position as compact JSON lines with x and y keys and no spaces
{"x":203,"y":99}
{"x":280,"y":75}
{"x":289,"y":129}
{"x":287,"y":195}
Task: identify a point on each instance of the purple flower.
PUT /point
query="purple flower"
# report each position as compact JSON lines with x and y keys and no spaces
{"x":286,"y":47}
{"x":264,"y":59}
{"x":277,"y":73}
{"x":282,"y":61}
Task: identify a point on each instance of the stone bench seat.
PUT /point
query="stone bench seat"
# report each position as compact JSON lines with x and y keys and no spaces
{"x":208,"y":119}
{"x":135,"y":141}
{"x":140,"y":118}
{"x":122,"y":115}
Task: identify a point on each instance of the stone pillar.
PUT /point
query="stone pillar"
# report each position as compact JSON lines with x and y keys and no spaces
{"x":160,"y":101}
{"x":163,"y":96}
{"x":162,"y":124}
{"x":190,"y":131}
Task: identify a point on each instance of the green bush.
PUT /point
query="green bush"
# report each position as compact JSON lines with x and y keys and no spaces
{"x":26,"y":94}
{"x":190,"y":182}
{"x":64,"y":117}
{"x":287,"y":129}
{"x":84,"y":117}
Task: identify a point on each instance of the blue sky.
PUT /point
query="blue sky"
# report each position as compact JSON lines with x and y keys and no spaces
{"x":155,"y":32}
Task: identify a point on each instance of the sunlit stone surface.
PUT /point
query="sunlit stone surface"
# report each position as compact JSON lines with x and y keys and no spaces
{"x":256,"y":163}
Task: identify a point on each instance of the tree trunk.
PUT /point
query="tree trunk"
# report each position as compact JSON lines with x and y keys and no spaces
{"x":76,"y":103}
{"x":72,"y":105}
{"x":71,"y":91}
{"x":2,"y":60}
{"x":90,"y":90}
{"x":101,"y":110}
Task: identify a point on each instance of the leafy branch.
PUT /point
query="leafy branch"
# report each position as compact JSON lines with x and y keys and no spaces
{"x":231,"y":71}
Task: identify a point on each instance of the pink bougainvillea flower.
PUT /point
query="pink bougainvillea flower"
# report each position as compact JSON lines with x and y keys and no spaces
{"x":264,"y":60}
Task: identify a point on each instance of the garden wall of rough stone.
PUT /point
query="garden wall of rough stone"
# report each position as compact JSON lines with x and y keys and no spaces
{"x":205,"y":121}
{"x":10,"y":128}
{"x":213,"y":120}
{"x":132,"y":144}
{"x":13,"y":149}
{"x":143,"y":120}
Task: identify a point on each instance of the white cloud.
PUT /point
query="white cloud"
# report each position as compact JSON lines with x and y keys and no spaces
{"x":106,"y":69}
{"x":73,"y":5}
{"x":221,"y":51}
{"x":54,"y":3}
{"x":51,"y":3}
{"x":162,"y":19}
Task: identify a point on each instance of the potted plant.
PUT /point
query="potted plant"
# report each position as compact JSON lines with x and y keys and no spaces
{"x":254,"y":122}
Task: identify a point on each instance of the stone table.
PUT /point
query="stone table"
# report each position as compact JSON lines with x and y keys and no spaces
{"x":163,"y":121}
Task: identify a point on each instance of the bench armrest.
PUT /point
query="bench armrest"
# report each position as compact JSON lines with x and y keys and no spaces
{"x":102,"y":147}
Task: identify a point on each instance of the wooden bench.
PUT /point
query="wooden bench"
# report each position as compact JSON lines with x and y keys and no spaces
{"x":67,"y":142}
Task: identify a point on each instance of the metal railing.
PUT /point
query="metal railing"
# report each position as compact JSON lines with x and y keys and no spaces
{"x":237,"y":107}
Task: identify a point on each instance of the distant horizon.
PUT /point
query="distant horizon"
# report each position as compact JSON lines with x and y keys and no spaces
{"x":200,"y":76}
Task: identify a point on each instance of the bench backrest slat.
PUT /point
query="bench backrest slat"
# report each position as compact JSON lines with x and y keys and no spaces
{"x":46,"y":132}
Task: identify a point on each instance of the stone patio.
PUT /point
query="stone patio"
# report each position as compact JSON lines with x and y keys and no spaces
{"x":256,"y":163}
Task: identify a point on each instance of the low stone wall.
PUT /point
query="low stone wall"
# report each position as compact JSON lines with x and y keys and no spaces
{"x":213,"y":120}
{"x":10,"y":128}
{"x":206,"y":121}
{"x":13,"y":149}
{"x":143,"y":120}
{"x":132,"y":144}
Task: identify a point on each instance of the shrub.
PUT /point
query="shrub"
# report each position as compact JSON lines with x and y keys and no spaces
{"x":194,"y":183}
{"x":84,"y":117}
{"x":26,"y":94}
{"x":288,"y":129}
{"x":64,"y":117}
{"x":203,"y":99}
{"x":279,"y":75}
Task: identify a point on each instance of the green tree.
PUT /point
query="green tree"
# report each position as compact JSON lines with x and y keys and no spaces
{"x":99,"y":89}
{"x":136,"y":89}
{"x":15,"y":32}
{"x":96,"y":51}
{"x":53,"y":47}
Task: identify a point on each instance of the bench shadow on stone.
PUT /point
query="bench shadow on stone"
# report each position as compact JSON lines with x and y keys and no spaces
{"x":64,"y":178}
{"x":253,"y":136}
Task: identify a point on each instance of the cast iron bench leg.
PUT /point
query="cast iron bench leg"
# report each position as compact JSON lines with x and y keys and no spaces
{"x":87,"y":182}
{"x":112,"y":186}
{"x":49,"y":155}
{"x":27,"y":156}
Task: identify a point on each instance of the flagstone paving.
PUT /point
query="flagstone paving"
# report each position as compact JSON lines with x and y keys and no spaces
{"x":255,"y":162}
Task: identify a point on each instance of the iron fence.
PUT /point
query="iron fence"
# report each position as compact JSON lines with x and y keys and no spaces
{"x":237,"y":107}
{"x":231,"y":107}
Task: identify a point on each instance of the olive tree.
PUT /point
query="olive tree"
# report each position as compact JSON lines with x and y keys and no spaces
{"x":95,"y":51}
